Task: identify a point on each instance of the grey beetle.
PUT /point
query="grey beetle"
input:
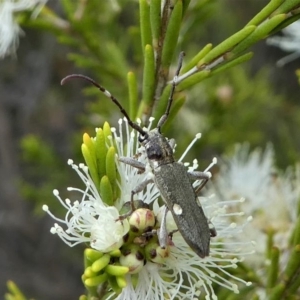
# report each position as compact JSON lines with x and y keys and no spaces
{"x":171,"y":178}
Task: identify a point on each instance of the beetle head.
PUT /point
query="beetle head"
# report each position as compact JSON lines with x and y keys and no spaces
{"x":158,"y":149}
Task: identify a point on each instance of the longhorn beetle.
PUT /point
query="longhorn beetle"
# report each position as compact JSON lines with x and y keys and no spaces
{"x":171,"y":178}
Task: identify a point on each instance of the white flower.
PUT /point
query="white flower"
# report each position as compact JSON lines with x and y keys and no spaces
{"x":290,"y":42}
{"x":9,"y":28}
{"x":179,"y":273}
{"x":270,"y":197}
{"x":89,"y":220}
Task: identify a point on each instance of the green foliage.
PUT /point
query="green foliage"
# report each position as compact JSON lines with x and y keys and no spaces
{"x":126,"y":45}
{"x":14,"y":292}
{"x":44,"y":172}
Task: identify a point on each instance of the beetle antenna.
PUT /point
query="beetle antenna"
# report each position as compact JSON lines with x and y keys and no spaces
{"x":108,"y":95}
{"x":164,"y":117}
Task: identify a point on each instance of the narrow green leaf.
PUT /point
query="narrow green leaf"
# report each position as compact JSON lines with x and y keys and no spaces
{"x":261,"y":32}
{"x":171,"y":37}
{"x":145,"y":26}
{"x":177,"y":105}
{"x":185,"y":6}
{"x":293,"y":286}
{"x":228,"y":44}
{"x":162,"y":103}
{"x":265,"y":12}
{"x":149,"y":77}
{"x":133,"y":95}
{"x":287,"y":6}
{"x":194,"y":61}
{"x":285,"y":23}
{"x":192,"y":80}
{"x":296,"y":233}
{"x":232,"y":63}
{"x":293,"y":265}
{"x":277,"y":292}
{"x":155,"y":20}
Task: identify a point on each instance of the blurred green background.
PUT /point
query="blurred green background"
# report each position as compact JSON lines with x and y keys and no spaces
{"x":42,"y":122}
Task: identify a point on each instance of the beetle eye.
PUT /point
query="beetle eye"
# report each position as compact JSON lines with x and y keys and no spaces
{"x":142,"y":138}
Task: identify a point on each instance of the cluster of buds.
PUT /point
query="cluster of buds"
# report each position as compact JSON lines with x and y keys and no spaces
{"x":140,"y":245}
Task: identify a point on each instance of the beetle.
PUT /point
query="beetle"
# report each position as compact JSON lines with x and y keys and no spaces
{"x":171,"y":178}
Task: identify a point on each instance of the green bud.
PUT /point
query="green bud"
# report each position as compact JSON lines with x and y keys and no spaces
{"x":92,"y":254}
{"x":91,"y":163}
{"x":101,"y":263}
{"x":106,"y":191}
{"x":101,"y":151}
{"x":107,"y":132}
{"x":113,"y":284}
{"x":121,"y":281}
{"x":142,"y":220}
{"x":88,"y":272}
{"x":94,"y":281}
{"x":115,"y":253}
{"x":111,"y":167}
{"x":116,"y":270}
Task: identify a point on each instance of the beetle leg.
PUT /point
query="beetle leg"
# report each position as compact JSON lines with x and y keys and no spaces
{"x":212,"y":229}
{"x":133,"y":163}
{"x":163,"y":233}
{"x":196,"y":175}
{"x":136,"y":190}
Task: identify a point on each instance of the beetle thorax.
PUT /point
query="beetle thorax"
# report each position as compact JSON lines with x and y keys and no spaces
{"x":158,"y":149}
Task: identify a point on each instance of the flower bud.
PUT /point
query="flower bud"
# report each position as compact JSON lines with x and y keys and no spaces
{"x":133,"y":258}
{"x":155,"y":253}
{"x":142,"y":220}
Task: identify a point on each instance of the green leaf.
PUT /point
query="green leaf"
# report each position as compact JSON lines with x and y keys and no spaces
{"x":145,"y":25}
{"x":171,"y":37}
